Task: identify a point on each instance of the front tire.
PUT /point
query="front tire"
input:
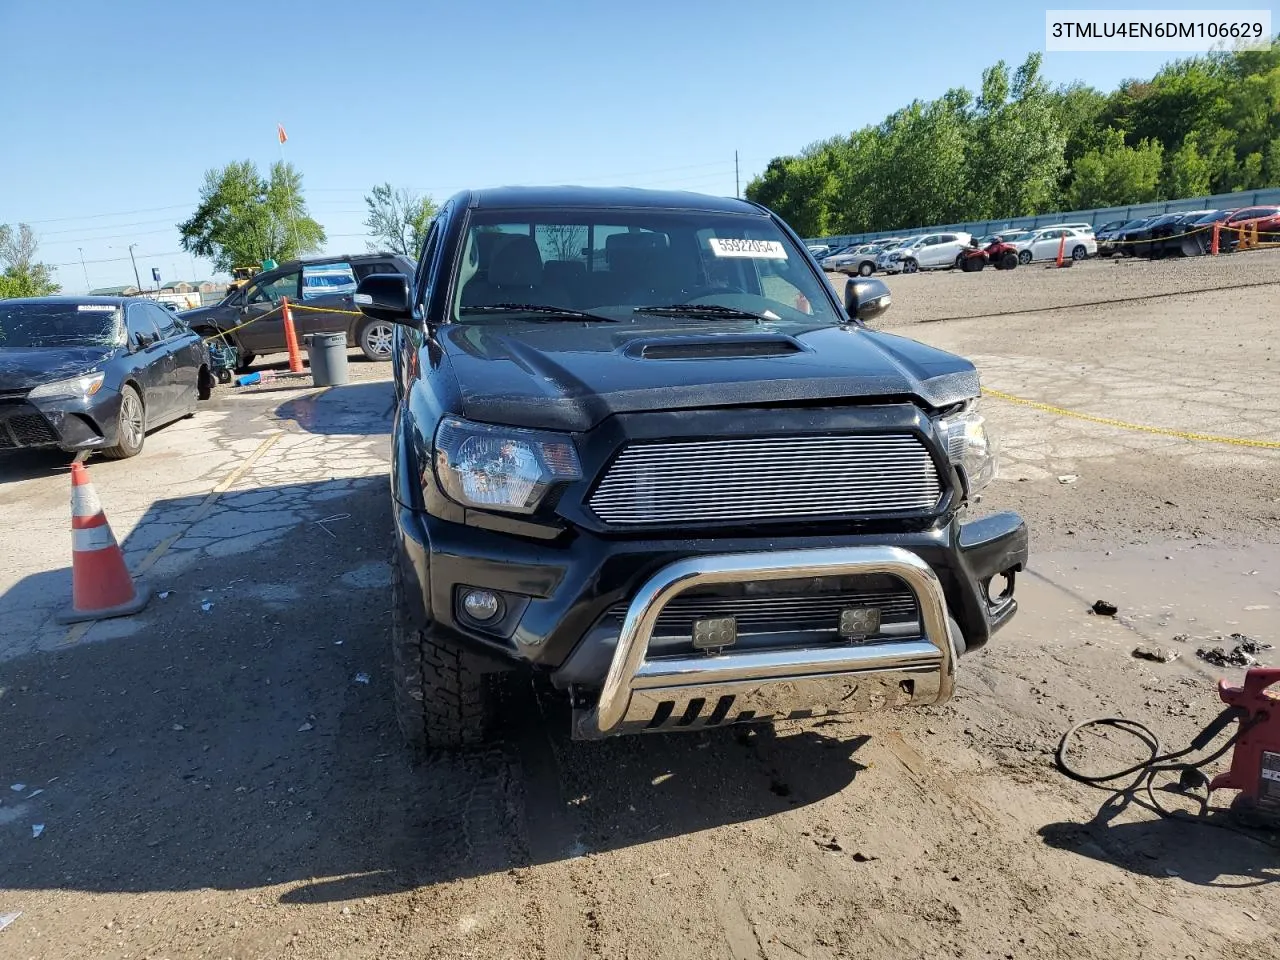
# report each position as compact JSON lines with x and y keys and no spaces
{"x":910,"y":266}
{"x":1009,"y":261}
{"x":1024,"y":257}
{"x":131,"y":426}
{"x":442,"y":700}
{"x":866,"y":269}
{"x":375,"y":340}
{"x":1079,"y":253}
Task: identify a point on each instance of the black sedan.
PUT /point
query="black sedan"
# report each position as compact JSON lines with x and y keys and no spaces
{"x":95,"y":373}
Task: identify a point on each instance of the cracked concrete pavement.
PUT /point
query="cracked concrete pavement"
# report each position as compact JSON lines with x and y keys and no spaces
{"x":230,"y":783}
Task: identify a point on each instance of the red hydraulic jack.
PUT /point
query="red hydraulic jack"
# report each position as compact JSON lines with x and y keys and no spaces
{"x":1255,"y":761}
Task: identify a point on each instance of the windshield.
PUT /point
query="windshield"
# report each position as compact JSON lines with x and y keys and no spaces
{"x":606,"y":263}
{"x":45,"y":324}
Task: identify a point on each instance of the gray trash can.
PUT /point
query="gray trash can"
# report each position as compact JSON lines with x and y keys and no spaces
{"x":327,"y":354}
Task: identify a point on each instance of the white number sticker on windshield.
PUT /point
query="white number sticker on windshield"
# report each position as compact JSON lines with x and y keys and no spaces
{"x":96,"y":307}
{"x":755,"y":249}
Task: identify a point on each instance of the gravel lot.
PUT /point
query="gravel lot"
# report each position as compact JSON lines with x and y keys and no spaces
{"x":221,"y":783}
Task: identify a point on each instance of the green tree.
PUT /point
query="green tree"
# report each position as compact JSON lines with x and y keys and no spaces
{"x":1189,"y":172}
{"x":398,"y":219}
{"x":243,"y":219}
{"x":21,"y":275}
{"x":1117,"y":174}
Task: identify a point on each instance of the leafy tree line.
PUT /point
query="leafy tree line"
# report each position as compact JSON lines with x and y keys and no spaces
{"x":1209,"y":124}
{"x":244,"y":218}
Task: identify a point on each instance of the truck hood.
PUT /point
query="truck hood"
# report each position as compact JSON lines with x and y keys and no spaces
{"x":570,"y":376}
{"x":22,"y":368}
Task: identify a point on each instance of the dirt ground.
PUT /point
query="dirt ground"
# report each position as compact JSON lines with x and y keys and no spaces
{"x":228,"y":782}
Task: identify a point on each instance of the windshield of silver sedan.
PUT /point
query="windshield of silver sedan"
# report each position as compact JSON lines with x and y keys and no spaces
{"x":634,"y":266}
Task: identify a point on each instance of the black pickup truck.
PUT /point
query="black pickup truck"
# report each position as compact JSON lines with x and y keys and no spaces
{"x":642,"y":447}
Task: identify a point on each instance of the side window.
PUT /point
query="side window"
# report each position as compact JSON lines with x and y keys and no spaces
{"x":429,"y":246}
{"x":367,"y":268}
{"x":272,"y":290}
{"x":164,"y":321}
{"x":139,"y":321}
{"x":948,"y":238}
{"x":327,"y":280}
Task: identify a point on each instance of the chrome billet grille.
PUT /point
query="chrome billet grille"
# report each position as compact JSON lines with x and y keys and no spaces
{"x":779,"y":614}
{"x":767,"y":478}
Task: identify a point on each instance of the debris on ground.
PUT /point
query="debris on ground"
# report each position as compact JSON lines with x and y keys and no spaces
{"x":206,"y":606}
{"x":36,"y":830}
{"x":1244,"y":652}
{"x":305,"y":727}
{"x":163,"y":594}
{"x":17,"y":787}
{"x":1068,"y":478}
{"x":833,"y":845}
{"x":1155,"y":654}
{"x":1105,"y":608}
{"x":861,"y":857}
{"x":362,"y":678}
{"x":8,"y":918}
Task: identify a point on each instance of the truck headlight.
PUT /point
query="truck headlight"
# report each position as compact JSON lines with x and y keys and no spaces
{"x":971,"y":446}
{"x":77,"y":388}
{"x":501,"y":468}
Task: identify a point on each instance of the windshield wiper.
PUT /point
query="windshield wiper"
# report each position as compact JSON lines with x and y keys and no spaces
{"x":547,"y":311}
{"x":709,"y":310}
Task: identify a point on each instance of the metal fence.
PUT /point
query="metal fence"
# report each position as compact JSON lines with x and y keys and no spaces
{"x":1097,"y":217}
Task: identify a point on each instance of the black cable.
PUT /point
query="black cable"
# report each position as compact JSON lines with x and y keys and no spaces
{"x":1146,"y":771}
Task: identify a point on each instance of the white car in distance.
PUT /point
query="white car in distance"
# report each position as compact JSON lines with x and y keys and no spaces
{"x":1044,"y":244}
{"x":932,"y":251}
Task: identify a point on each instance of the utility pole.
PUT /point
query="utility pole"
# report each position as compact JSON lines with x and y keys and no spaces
{"x":137,"y":279}
{"x":85,"y":269}
{"x":737,"y":189}
{"x":293,"y":211}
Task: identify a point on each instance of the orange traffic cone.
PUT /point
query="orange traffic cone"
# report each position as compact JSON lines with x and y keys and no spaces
{"x":100,"y":583}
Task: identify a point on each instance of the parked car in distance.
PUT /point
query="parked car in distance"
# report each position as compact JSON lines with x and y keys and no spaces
{"x":1079,"y":227}
{"x":668,"y":480}
{"x":324,"y":289}
{"x":860,"y":260}
{"x":1119,"y":240}
{"x":1166,"y":234}
{"x":95,"y":373}
{"x":1044,"y":245}
{"x":820,"y":250}
{"x":1265,"y":218}
{"x":932,"y":251}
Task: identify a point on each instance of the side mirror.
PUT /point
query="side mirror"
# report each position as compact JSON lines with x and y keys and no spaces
{"x":386,"y":296}
{"x":866,"y":298}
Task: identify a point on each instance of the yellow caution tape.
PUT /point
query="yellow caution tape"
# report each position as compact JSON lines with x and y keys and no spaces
{"x":299,"y":306}
{"x":1125,"y":425}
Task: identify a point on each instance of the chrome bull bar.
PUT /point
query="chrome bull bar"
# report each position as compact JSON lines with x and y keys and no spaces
{"x":702,"y":690}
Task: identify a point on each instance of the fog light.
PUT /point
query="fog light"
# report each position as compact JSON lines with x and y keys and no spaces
{"x":1000,"y":588}
{"x":481,"y":605}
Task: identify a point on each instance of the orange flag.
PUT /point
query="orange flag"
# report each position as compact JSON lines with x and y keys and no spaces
{"x":280,"y":132}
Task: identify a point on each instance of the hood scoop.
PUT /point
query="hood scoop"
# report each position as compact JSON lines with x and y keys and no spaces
{"x":714,"y":348}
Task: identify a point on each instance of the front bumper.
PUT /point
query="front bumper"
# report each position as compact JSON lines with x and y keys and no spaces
{"x":642,"y":694}
{"x":66,"y":424}
{"x":557,"y":594}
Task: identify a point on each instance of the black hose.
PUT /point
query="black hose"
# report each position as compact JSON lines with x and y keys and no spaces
{"x":1146,"y":771}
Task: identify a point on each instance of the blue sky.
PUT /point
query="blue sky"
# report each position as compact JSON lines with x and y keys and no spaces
{"x":113,"y":111}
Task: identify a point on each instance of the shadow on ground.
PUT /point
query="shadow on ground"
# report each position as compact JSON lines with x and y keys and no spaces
{"x":252,"y":742}
{"x":349,"y":408}
{"x":1212,"y":854}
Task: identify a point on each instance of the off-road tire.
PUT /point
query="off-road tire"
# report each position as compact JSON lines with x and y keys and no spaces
{"x":1010,"y":261}
{"x":442,"y":700}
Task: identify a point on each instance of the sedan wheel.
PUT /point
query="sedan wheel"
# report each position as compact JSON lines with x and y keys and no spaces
{"x":131,"y":426}
{"x":866,"y":269}
{"x":910,"y":266}
{"x":1024,"y":256}
{"x":376,"y":339}
{"x":1079,"y":253}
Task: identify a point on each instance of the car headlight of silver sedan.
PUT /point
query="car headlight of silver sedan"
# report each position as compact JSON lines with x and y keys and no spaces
{"x":971,"y":446}
{"x":501,"y":468}
{"x":75,"y":388}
